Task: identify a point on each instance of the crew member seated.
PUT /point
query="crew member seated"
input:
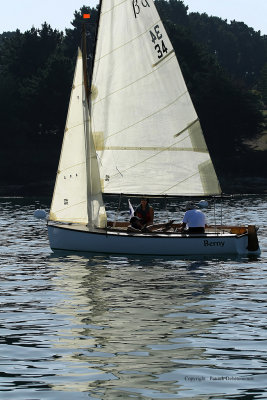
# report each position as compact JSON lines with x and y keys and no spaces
{"x":194,"y":219}
{"x":145,"y":212}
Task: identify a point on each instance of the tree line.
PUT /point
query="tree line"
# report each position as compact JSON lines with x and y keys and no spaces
{"x":224,"y":66}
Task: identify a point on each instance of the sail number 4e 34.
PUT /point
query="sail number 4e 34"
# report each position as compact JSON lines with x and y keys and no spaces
{"x":156,"y":37}
{"x":155,"y":33}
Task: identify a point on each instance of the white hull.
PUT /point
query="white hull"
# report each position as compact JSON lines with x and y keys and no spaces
{"x":79,"y":238}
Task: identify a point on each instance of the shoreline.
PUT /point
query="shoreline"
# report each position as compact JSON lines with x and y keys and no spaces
{"x":230,"y":185}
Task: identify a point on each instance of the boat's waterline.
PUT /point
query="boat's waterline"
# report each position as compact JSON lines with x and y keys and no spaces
{"x":75,"y":238}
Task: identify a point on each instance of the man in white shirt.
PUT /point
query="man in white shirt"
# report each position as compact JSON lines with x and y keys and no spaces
{"x":194,"y":219}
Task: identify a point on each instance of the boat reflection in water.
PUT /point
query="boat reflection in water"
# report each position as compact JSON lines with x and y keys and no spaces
{"x":135,"y":326}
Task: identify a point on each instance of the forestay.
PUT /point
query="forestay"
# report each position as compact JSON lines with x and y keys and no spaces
{"x":146,"y":131}
{"x":77,"y":194}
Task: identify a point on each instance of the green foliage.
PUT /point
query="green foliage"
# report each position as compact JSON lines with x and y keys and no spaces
{"x":262,"y":84}
{"x":173,"y":11}
{"x":34,"y":88}
{"x":221,"y":64}
{"x":239,"y":49}
{"x":72,"y":38}
{"x":224,"y":66}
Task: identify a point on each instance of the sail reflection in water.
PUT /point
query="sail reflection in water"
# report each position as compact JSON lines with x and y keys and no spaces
{"x":108,"y":327}
{"x":148,"y":329}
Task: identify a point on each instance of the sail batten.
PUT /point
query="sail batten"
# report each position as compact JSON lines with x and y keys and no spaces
{"x":140,"y":105}
{"x":163,"y":59}
{"x":157,"y":149}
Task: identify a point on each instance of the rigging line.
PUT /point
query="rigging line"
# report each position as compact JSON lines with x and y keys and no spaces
{"x":214,"y":213}
{"x":137,"y":80}
{"x":119,"y":171}
{"x":117,"y":212}
{"x":147,"y":117}
{"x":221,"y":211}
{"x":99,"y":159}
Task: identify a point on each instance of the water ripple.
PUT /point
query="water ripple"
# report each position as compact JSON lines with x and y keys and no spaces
{"x":109,"y":327}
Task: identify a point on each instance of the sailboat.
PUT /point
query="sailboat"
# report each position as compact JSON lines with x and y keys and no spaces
{"x":133,"y":131}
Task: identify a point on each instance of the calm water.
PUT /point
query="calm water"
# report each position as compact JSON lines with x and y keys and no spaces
{"x":116,"y":327}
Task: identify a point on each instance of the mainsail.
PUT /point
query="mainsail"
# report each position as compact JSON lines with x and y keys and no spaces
{"x":146,"y":131}
{"x":77,"y":194}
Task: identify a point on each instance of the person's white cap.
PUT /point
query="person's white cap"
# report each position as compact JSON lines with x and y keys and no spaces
{"x":203,"y":204}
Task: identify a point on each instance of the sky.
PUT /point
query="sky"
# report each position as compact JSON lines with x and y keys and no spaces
{"x":252,"y":12}
{"x":23,"y":14}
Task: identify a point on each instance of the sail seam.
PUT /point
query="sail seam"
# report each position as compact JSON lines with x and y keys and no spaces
{"x":65,"y":208}
{"x":72,"y":166}
{"x":76,"y":221}
{"x":162,"y":59}
{"x":76,"y":165}
{"x":178,"y":183}
{"x":154,"y":155}
{"x":156,"y":148}
{"x":75,"y":126}
{"x":147,"y":117}
{"x":130,"y":41}
{"x":137,"y":80}
{"x":119,"y":4}
{"x":76,"y":86}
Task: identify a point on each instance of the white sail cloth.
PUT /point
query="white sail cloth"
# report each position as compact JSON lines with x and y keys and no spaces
{"x":146,"y":131}
{"x":77,"y":193}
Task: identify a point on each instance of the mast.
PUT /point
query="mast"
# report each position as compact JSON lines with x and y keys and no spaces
{"x":84,"y":56}
{"x":96,"y":36}
{"x":95,"y":206}
{"x":88,"y":79}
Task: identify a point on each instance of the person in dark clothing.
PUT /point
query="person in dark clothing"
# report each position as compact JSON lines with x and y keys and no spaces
{"x":143,"y":219}
{"x":145,"y":212}
{"x":136,"y":223}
